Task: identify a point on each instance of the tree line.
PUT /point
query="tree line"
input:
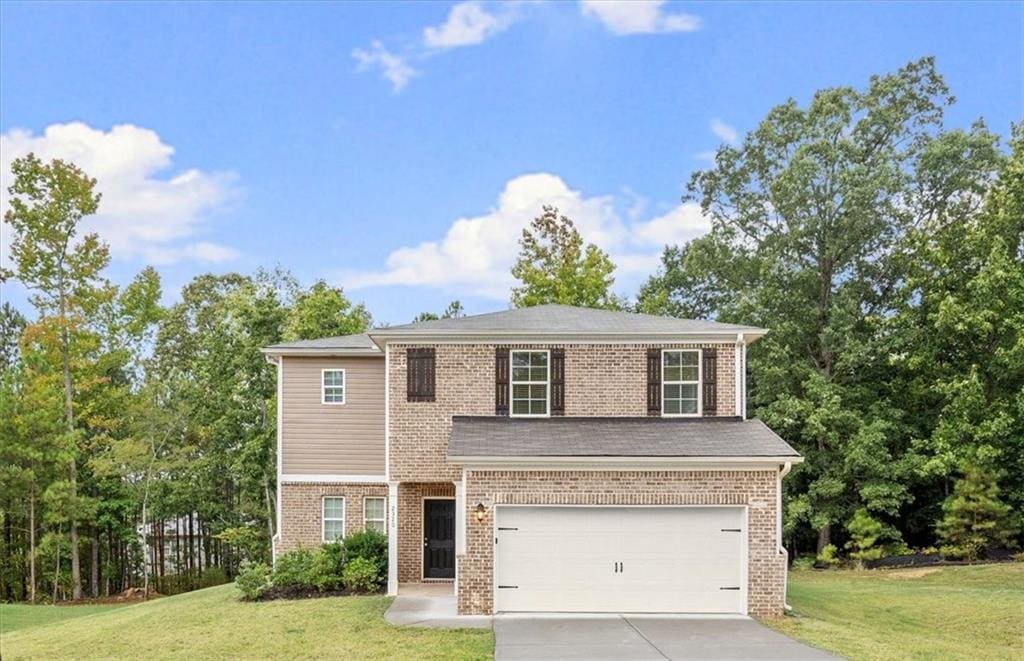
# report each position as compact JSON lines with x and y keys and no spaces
{"x":884,"y":252}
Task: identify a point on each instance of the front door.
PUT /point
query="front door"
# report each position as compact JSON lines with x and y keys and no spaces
{"x":438,"y":538}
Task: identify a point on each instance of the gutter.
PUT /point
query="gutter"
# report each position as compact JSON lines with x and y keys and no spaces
{"x":783,"y":472}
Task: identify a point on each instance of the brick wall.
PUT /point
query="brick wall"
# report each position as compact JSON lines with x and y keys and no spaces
{"x":600,"y":380}
{"x":756,"y":489}
{"x":302,"y":511}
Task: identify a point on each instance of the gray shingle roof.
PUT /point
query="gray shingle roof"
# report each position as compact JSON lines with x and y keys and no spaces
{"x":474,"y":436}
{"x":359,"y":342}
{"x":548,"y":319}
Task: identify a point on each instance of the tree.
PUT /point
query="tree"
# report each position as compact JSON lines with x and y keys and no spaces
{"x":12,"y":323}
{"x":48,"y":202}
{"x":324,"y":311}
{"x":453,"y":311}
{"x":974,"y":518}
{"x":811,"y":223}
{"x":554,"y":266}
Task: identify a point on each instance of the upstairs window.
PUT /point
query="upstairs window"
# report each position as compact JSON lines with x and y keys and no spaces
{"x":531,"y":380}
{"x":680,"y":385}
{"x":333,"y":518}
{"x":333,"y":391}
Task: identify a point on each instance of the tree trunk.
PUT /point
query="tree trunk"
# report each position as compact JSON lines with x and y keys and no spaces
{"x":69,"y":417}
{"x":94,"y":569}
{"x":32,"y":544}
{"x":824,"y":536}
{"x":56,"y":571}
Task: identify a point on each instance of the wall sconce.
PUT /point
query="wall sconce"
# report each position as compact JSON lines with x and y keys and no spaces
{"x":480,"y":510}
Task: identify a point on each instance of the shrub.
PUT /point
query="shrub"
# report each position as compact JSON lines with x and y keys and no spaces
{"x":294,"y":568}
{"x":827,"y":557}
{"x":253,"y":580}
{"x":361,"y":575}
{"x":974,"y":518}
{"x":865,"y":532}
{"x":369,"y":545}
{"x":803,"y":562}
{"x":326,"y":568}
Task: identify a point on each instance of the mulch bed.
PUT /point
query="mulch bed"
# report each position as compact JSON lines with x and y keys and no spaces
{"x":304,"y":592}
{"x":935,"y":560}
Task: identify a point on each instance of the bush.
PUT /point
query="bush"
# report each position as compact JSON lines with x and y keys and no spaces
{"x":804,"y":562}
{"x":828,"y":556}
{"x":974,"y":518}
{"x":370,"y":545}
{"x":361,"y":575}
{"x":326,"y":568}
{"x":253,"y":580}
{"x":865,"y":532}
{"x":294,"y":568}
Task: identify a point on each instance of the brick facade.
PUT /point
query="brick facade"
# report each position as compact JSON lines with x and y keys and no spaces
{"x":755,"y":489}
{"x":302,"y":511}
{"x":600,"y":380}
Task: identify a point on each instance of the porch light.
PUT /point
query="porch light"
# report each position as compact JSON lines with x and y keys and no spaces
{"x":481,"y":511}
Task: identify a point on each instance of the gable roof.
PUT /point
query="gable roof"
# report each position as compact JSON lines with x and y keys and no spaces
{"x":349,"y":345}
{"x":553,"y":319}
{"x":497,"y":438}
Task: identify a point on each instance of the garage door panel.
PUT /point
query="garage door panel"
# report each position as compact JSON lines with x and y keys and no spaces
{"x":672,"y":559}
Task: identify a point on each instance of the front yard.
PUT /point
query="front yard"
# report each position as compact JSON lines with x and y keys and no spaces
{"x":934,"y":613}
{"x":212,"y":624}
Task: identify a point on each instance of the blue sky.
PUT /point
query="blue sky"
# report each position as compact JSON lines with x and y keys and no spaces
{"x":398,"y":149}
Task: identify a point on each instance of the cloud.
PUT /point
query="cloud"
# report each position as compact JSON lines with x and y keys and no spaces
{"x":624,"y":17}
{"x":725,"y":132}
{"x":203,"y":251}
{"x":392,"y":67}
{"x":140,"y":214}
{"x":476,"y":253}
{"x":468,"y":24}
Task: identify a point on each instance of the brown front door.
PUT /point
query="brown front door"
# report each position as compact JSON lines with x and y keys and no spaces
{"x":438,"y":538}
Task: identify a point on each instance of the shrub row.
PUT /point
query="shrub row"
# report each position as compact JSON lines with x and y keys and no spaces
{"x":357,"y":564}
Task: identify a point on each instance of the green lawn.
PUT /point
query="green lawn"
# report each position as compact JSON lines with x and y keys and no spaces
{"x":19,"y":616}
{"x":212,"y":623}
{"x":938,"y":613}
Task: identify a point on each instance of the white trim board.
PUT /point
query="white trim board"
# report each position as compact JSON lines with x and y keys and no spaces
{"x":623,"y":463}
{"x":333,"y":479}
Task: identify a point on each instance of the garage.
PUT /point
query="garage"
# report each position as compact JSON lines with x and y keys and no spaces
{"x":628,"y":559}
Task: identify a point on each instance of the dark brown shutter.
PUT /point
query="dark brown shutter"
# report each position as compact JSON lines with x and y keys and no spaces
{"x":419,"y":375}
{"x":558,"y":382}
{"x":654,"y":382}
{"x":501,"y":381}
{"x":709,"y":380}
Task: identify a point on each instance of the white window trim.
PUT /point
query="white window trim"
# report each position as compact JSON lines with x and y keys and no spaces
{"x":323,"y":387}
{"x":512,"y":383}
{"x":700,"y":382}
{"x":384,"y":499}
{"x":324,"y":519}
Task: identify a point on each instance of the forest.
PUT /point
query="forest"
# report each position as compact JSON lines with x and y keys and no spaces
{"x":883,"y":249}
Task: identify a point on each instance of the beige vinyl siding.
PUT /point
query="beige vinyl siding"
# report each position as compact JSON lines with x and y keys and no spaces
{"x":333,"y":439}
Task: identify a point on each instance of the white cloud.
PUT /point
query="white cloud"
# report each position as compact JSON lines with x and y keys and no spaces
{"x":725,"y":132}
{"x":203,"y":251}
{"x":476,"y":253}
{"x":393,"y":67}
{"x":140,"y":214}
{"x":623,"y":17}
{"x":468,"y":24}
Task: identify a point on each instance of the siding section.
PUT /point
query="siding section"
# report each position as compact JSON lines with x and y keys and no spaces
{"x":333,"y":439}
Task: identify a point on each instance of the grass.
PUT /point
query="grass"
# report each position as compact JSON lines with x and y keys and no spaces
{"x":970,"y":612}
{"x":14,"y":617}
{"x":212,"y":623}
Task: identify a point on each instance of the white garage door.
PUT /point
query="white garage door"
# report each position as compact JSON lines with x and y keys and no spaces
{"x":621,"y":559}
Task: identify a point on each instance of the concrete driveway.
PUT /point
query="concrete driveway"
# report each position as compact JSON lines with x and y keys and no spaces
{"x":641,"y":637}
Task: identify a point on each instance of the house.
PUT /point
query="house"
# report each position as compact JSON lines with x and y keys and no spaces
{"x":550,"y":458}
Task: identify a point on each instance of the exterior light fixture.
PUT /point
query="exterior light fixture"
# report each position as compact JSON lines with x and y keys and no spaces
{"x":481,"y":511}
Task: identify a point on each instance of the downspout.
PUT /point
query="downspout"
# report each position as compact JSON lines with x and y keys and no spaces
{"x":279,"y":363}
{"x":783,"y":472}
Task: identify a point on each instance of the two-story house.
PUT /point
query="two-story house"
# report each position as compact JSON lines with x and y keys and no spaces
{"x":541,"y":459}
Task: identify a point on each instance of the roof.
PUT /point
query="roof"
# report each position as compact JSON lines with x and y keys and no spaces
{"x":563,"y":319}
{"x":571,"y":437}
{"x":344,"y":344}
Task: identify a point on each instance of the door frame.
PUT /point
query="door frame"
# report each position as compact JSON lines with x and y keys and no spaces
{"x":423,"y":528}
{"x":744,"y":547}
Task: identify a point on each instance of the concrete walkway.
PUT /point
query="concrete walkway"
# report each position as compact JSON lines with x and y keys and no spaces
{"x":431,"y":605}
{"x":642,"y":637}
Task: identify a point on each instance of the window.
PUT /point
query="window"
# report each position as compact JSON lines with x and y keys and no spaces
{"x":333,"y":387}
{"x":680,"y":382}
{"x":419,"y":373}
{"x":530,"y":379}
{"x":334,"y":518}
{"x":375,"y":514}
